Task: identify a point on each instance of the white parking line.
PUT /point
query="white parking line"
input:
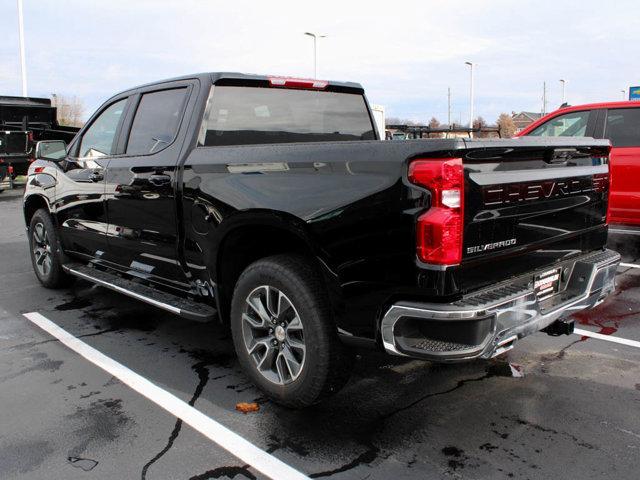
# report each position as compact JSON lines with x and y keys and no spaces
{"x":608,"y":338}
{"x":218,"y":433}
{"x":632,"y":265}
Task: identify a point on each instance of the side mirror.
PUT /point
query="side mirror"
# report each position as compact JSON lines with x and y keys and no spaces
{"x":52,"y":150}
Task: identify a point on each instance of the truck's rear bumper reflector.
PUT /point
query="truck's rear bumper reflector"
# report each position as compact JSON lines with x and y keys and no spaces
{"x":488,"y":322}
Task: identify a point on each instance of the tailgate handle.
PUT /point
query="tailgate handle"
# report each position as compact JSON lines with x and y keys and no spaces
{"x":562,"y":155}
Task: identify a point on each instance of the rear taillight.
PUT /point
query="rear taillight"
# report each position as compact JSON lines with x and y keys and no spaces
{"x":290,"y":82}
{"x":439,"y":229}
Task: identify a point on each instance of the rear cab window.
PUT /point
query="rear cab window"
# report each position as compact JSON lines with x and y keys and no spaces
{"x":241,"y":115}
{"x":623,"y":127}
{"x":573,"y":124}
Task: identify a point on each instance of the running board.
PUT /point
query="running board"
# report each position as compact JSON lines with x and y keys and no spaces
{"x":186,"y":308}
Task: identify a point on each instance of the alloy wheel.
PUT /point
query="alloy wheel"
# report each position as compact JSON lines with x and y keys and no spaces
{"x":41,"y":249}
{"x":273,"y":335}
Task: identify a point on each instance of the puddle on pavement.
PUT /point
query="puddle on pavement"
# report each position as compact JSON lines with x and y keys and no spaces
{"x":75,"y":303}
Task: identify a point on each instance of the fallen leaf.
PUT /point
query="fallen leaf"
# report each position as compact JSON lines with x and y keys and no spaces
{"x":247,"y":407}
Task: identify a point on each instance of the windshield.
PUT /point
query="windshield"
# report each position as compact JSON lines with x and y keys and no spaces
{"x":255,"y":115}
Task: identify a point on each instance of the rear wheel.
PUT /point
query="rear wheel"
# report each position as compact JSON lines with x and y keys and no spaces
{"x":45,"y":251}
{"x":284,"y":333}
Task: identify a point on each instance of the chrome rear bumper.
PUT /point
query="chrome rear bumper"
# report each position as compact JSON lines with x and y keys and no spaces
{"x":487,"y":323}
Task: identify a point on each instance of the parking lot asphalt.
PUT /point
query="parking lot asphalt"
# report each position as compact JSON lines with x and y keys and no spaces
{"x":554,"y":407}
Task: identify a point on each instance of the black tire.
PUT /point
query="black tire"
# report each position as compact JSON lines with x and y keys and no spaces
{"x":326,"y":365}
{"x":41,"y":232}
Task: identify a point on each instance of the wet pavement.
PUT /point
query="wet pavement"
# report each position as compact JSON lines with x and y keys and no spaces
{"x":554,"y":407}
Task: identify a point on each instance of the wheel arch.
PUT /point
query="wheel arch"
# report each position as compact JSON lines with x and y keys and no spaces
{"x":32,"y":204}
{"x":253,"y":235}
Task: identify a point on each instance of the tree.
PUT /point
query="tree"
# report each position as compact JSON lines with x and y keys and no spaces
{"x":70,"y":110}
{"x":434,"y":123}
{"x":506,"y":125}
{"x":480,"y":123}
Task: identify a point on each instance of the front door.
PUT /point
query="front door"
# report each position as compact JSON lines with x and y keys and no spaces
{"x":622,"y":127}
{"x":80,"y":190}
{"x":141,"y":203}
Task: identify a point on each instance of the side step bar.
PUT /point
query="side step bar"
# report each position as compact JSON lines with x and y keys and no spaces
{"x":186,"y":308}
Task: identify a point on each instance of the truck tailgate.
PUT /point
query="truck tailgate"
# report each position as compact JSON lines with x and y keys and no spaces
{"x":548,"y":197}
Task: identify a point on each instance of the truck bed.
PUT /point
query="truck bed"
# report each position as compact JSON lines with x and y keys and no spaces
{"x":353,"y":200}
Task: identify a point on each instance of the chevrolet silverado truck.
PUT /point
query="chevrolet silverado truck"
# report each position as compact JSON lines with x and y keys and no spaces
{"x":270,"y":204}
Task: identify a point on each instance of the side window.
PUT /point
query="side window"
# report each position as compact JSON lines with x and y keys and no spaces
{"x":623,"y":127}
{"x":100,"y":138}
{"x":156,"y":122}
{"x":572,"y":124}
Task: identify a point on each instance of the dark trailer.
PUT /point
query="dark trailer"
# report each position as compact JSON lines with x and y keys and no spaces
{"x":24,"y":121}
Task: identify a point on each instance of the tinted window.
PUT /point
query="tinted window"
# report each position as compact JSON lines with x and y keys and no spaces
{"x":100,"y":138}
{"x":156,"y":122}
{"x":572,"y":124}
{"x":253,"y":115}
{"x":623,"y":127}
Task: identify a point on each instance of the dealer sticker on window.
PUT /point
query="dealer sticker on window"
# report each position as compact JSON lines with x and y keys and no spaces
{"x":546,"y":284}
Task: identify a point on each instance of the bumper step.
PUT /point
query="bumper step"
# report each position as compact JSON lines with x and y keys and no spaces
{"x":488,"y":322}
{"x":183,"y":307}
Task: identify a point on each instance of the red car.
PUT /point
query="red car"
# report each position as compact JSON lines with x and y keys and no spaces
{"x":620,"y":123}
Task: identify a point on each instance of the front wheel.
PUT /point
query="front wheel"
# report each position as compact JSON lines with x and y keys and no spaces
{"x":46,"y":255}
{"x":284,"y":332}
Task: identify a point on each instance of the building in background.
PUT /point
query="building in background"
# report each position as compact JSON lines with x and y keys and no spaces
{"x":523,"y":119}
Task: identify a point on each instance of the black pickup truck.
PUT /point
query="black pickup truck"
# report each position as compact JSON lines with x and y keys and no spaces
{"x":270,"y":204}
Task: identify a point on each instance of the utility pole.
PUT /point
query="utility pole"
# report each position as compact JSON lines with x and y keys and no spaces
{"x":23,"y":66}
{"x":544,"y":98}
{"x":316,"y":37}
{"x":449,"y":106}
{"x":562,"y":82}
{"x":470,"y":97}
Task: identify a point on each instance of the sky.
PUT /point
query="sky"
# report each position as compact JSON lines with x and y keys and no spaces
{"x":405,"y":54}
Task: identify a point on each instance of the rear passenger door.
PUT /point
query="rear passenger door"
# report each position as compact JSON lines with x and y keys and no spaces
{"x":141,"y":200}
{"x":622,"y":127}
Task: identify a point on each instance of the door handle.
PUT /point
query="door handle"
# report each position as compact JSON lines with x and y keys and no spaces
{"x":96,"y":177}
{"x":159,"y":180}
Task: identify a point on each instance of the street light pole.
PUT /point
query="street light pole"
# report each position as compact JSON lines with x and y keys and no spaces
{"x":470,"y":96}
{"x":563,"y":83}
{"x":316,"y":37}
{"x":624,"y":94}
{"x":449,"y":107}
{"x":23,"y":67}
